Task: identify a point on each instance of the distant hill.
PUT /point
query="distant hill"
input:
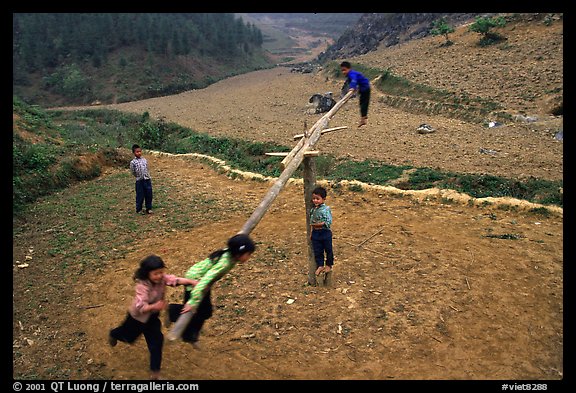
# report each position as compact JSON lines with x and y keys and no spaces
{"x":300,"y":37}
{"x":522,"y":73}
{"x":81,"y":58}
{"x":387,"y":29}
{"x":328,"y":24}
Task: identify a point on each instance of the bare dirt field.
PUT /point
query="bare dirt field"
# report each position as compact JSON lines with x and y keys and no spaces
{"x":444,"y":291}
{"x":437,"y":300}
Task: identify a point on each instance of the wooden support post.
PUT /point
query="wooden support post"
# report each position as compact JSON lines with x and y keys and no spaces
{"x":309,"y":153}
{"x":328,"y":278}
{"x":309,"y":165}
{"x":323,"y":131}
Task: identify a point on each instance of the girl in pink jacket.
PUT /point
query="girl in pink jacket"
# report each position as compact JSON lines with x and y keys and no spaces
{"x":142,"y":316}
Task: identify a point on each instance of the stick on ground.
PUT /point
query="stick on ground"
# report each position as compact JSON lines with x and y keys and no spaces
{"x":370,"y":237}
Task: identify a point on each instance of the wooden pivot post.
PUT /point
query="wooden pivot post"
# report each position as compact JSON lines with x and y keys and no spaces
{"x":290,"y":164}
{"x":309,"y":175}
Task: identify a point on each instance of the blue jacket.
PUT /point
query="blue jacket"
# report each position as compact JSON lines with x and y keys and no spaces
{"x":356,"y":79}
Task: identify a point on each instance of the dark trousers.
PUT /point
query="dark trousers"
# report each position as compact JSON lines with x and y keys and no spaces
{"x":143,"y":194}
{"x":131,"y":329}
{"x":322,"y":243}
{"x":204,"y":311}
{"x":364,"y":101}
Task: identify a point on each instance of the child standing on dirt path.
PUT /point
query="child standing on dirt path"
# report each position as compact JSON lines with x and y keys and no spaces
{"x":139,"y":168}
{"x":358,"y":82}
{"x":320,"y":232}
{"x":142,"y":315}
{"x":206,"y":273}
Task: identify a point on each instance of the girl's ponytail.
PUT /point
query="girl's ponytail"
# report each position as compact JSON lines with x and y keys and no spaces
{"x":237,"y":245}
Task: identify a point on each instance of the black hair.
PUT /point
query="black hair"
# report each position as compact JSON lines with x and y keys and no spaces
{"x":237,"y":245}
{"x":134,"y":147}
{"x":346,"y":64}
{"x":151,"y":262}
{"x":320,"y":191}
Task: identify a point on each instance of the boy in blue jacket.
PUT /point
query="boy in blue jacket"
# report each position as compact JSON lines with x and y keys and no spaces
{"x":358,"y":82}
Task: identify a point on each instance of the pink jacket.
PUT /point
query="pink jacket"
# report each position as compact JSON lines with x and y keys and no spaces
{"x":148,"y":293}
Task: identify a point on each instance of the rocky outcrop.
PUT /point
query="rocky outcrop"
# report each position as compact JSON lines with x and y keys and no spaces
{"x":375,"y":29}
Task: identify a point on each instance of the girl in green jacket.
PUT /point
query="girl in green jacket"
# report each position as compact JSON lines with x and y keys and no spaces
{"x":197,"y":298}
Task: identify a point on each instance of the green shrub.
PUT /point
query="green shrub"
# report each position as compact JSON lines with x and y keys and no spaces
{"x":70,"y":82}
{"x":366,"y":171}
{"x":441,"y":27}
{"x":483,"y":26}
{"x":423,"y":178}
{"x":151,"y":134}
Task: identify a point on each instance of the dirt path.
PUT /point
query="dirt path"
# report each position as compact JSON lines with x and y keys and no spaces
{"x":429,"y":301}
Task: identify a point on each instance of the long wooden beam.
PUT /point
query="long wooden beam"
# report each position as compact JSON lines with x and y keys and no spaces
{"x":298,"y":154}
{"x":296,"y":148}
{"x":292,"y":166}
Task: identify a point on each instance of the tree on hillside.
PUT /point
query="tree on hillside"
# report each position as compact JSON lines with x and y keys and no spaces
{"x":70,"y":55}
{"x":441,"y":27}
{"x":50,"y":40}
{"x":483,"y":25}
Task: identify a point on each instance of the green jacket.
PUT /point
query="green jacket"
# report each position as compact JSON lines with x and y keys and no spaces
{"x":207,"y":272}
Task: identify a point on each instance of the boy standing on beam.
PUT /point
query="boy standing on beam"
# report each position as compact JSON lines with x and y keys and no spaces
{"x":357,"y":82}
